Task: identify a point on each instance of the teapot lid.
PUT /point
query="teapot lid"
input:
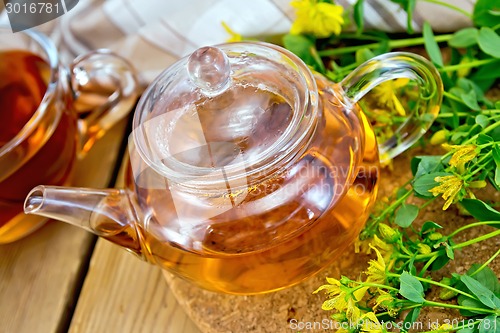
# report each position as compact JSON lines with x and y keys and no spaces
{"x":239,"y":107}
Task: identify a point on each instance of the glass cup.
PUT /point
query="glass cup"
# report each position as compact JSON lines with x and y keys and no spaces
{"x":50,"y":116}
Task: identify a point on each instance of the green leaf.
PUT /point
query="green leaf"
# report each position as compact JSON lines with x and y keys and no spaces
{"x":480,"y":210}
{"x":431,"y":46}
{"x":483,"y":121}
{"x":483,"y":138}
{"x":421,"y":165}
{"x":487,"y":277}
{"x":497,"y":176}
{"x":486,"y":75}
{"x":449,"y":252}
{"x":496,"y":154}
{"x":439,"y":263}
{"x":358,"y":14}
{"x":405,"y":215}
{"x":470,"y":99}
{"x":489,"y":42}
{"x":470,"y":303}
{"x":429,"y":226}
{"x":304,"y":48}
{"x":484,"y":295}
{"x":411,"y":317}
{"x":490,"y":324}
{"x":424,"y":183}
{"x":363,"y":55}
{"x":464,"y":38}
{"x":411,"y":289}
{"x":496,"y":157}
{"x":484,"y":14}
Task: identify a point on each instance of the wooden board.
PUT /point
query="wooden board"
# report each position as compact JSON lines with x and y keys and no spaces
{"x":123,"y":294}
{"x":41,"y":274}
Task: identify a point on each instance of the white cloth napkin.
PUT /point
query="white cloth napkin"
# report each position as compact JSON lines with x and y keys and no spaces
{"x":152,"y":34}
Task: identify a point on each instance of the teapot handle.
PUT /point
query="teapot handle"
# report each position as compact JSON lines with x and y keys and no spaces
{"x":105,"y":88}
{"x":397,"y":65}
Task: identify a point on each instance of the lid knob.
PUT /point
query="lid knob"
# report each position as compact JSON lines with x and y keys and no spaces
{"x":208,"y":69}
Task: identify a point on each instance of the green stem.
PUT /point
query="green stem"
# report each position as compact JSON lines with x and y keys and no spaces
{"x":446,"y":4}
{"x":403,"y":247}
{"x":452,"y":97}
{"x":471,"y":225}
{"x":439,"y":284}
{"x":484,"y":131}
{"x":428,"y":202}
{"x":468,"y":114}
{"x":478,"y":166}
{"x":395,"y":204}
{"x":460,"y":307}
{"x":486,"y":263}
{"x":454,"y":247}
{"x":471,"y":64}
{"x":404,"y":308}
{"x":392,"y":44}
{"x":376,"y":285}
{"x":476,"y":240}
{"x":428,"y":264}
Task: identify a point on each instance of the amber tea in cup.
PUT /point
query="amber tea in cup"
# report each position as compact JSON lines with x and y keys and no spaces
{"x":24,"y":77}
{"x":41,"y":134}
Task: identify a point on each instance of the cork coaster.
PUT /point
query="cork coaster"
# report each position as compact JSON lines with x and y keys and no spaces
{"x":296,"y":309}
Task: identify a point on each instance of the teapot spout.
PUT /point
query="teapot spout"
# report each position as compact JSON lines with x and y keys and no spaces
{"x":106,"y":213}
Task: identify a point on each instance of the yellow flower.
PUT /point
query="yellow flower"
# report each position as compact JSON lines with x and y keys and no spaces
{"x":385,"y":301}
{"x":370,"y":324}
{"x":321,"y":19}
{"x":365,"y":246}
{"x":462,"y":154}
{"x":376,"y":269}
{"x":449,"y":187}
{"x":445,"y":328}
{"x":234,"y":37}
{"x":340,"y":299}
{"x":332,"y":288}
{"x":385,"y":94}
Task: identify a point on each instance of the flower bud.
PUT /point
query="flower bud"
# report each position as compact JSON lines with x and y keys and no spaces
{"x":477,"y":184}
{"x":387,"y":233}
{"x":439,"y":137}
{"x":446,"y":294}
{"x":464,"y":71}
{"x":435,"y":236}
{"x":424,"y":248}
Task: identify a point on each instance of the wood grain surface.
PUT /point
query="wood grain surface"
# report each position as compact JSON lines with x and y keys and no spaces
{"x":41,"y":275}
{"x":123,"y":294}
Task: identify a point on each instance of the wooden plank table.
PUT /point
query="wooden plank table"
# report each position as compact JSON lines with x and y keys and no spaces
{"x":60,"y":279}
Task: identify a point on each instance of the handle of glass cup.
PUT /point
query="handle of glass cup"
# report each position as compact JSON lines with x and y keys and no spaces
{"x":397,"y":65}
{"x":105,"y":88}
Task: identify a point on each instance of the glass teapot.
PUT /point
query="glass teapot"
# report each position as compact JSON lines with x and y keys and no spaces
{"x":248,"y":173}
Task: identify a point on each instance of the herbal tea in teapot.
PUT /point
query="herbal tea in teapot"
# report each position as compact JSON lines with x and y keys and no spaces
{"x":247,"y":172}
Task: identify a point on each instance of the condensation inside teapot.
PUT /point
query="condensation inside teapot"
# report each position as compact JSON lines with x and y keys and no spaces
{"x":220,"y":114}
